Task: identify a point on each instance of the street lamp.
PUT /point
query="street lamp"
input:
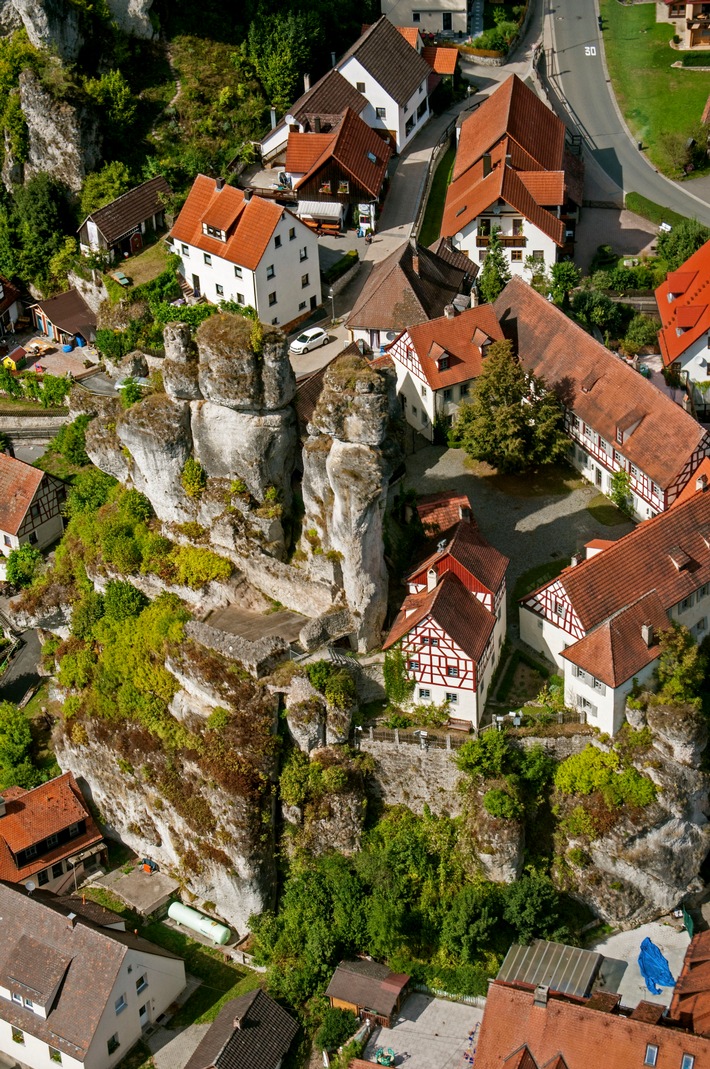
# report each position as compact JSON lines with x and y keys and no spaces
{"x":331,"y":295}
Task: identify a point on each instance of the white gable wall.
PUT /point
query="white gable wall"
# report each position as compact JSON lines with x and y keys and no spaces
{"x":535,"y":242}
{"x":427,"y":19}
{"x":395,"y":118}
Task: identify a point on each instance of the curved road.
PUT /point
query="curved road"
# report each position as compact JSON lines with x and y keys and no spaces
{"x":576,"y":71}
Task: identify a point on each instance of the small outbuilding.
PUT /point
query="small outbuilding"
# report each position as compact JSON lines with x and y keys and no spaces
{"x":119,"y":227}
{"x":368,"y":989}
{"x":251,"y":1032}
{"x":66,"y":318}
{"x":15,"y":359}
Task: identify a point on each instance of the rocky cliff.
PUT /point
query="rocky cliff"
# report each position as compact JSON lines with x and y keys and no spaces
{"x":63,"y":138}
{"x":348,"y":460}
{"x":197,"y":797}
{"x":649,"y":860}
{"x":56,"y":25}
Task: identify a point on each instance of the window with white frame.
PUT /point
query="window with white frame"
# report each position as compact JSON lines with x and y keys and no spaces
{"x":120,"y":1004}
{"x":424,"y":693}
{"x":303,"y":253}
{"x":414,"y":665}
{"x":219,"y":290}
{"x":185,"y":250}
{"x":55,"y":1055}
{"x":207,"y":258}
{"x":452,"y":670}
{"x":301,"y":306}
{"x":651,"y":1054}
{"x":237,"y":271}
{"x":381,"y":113}
{"x":558,"y":608}
{"x":687,"y":1061}
{"x":240,"y":298}
{"x":141,"y":982}
{"x":305,"y":281}
{"x":686,"y":603}
{"x":702,"y":591}
{"x":451,"y":697}
{"x":598,"y":685}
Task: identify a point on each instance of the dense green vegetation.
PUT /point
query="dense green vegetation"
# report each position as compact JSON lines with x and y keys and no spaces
{"x":21,"y":764}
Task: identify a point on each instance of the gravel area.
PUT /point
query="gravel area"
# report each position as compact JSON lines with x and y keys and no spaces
{"x":530,"y":528}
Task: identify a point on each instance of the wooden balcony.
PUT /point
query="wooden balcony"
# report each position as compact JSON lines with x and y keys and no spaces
{"x":508,"y":241}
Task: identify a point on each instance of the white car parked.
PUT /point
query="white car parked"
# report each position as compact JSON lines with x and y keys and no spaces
{"x":310,"y":339}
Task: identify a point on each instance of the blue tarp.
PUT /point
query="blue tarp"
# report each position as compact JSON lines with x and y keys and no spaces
{"x":654,"y":968}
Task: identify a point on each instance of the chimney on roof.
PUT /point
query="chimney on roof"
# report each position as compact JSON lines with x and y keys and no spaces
{"x":316,"y":123}
{"x":449,"y":311}
{"x":487,"y":166}
{"x":247,"y":196}
{"x":541,"y":995}
{"x":239,"y":1021}
{"x":577,"y":558}
{"x":219,"y":184}
{"x":647,"y":634}
{"x":71,"y":920}
{"x":361,"y":345}
{"x":306,"y":82}
{"x":701,"y":483}
{"x":332,"y":59}
{"x":3,"y":807}
{"x":273,"y":118}
{"x":431,"y":578}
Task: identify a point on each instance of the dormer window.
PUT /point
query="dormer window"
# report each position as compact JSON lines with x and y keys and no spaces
{"x":213,"y":232}
{"x":619,"y":436}
{"x":670,"y":297}
{"x":372,"y":157}
{"x":442,"y":363}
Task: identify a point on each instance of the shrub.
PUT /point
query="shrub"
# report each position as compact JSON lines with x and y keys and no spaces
{"x":193,"y":477}
{"x":318,"y":673}
{"x":499,"y":803}
{"x":194,"y":567}
{"x":594,"y":770}
{"x":23,"y":565}
{"x":70,"y":442}
{"x":122,"y":601}
{"x":337,"y":1028}
{"x":130,"y":392}
{"x":89,"y":492}
{"x":340,"y":689}
{"x":398,"y":687}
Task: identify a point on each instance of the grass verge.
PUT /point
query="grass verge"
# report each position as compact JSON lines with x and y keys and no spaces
{"x":537,"y":576}
{"x":605,"y":513}
{"x":655,"y":213}
{"x":656,"y":99}
{"x":221,"y":978}
{"x":434,"y":211}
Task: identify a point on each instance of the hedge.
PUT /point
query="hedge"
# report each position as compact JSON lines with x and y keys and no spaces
{"x":655,"y":213}
{"x":341,"y":266}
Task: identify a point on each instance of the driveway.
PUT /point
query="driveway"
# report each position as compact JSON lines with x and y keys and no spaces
{"x":529,"y":526}
{"x":430,"y":1033}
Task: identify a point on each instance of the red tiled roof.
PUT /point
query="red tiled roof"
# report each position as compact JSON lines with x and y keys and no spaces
{"x":545,"y":187}
{"x":409,"y":33}
{"x":468,"y":546}
{"x":32,"y":816}
{"x":690,"y":489}
{"x":690,"y":1005}
{"x":462,"y":616}
{"x":472,"y":193}
{"x":247,"y":241}
{"x":615,"y":651}
{"x":19,"y":483}
{"x":455,"y":338}
{"x":351,"y":147}
{"x":441,"y":60}
{"x":642,"y":561}
{"x":583,"y":1036}
{"x":303,"y":150}
{"x":550,"y":345}
{"x":439,"y":512}
{"x":685,"y":317}
{"x":513,"y":111}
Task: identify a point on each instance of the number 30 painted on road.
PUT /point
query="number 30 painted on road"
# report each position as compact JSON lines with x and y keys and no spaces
{"x":590,"y":50}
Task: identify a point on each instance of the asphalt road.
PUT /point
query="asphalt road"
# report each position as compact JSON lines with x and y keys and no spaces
{"x":575,"y":67}
{"x":22,"y":672}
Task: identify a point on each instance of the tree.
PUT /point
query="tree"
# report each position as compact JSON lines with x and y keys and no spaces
{"x":63,"y":262}
{"x":112,"y":94}
{"x":281,"y":46}
{"x":15,"y":734}
{"x":337,"y":1028}
{"x":681,"y":667}
{"x":101,"y":187}
{"x":532,"y":908}
{"x":565,"y":276}
{"x":513,"y":422}
{"x":193,"y":477}
{"x":496,"y":273}
{"x":676,"y":245}
{"x":40,"y":219}
{"x":90,"y":491}
{"x":594,"y":309}
{"x":621,"y":491}
{"x":641,"y":331}
{"x":22,"y":564}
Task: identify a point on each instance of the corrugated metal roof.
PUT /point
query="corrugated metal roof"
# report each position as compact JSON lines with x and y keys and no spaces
{"x":567,"y":970}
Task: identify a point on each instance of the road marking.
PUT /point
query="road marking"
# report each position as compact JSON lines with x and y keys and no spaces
{"x":590,"y":50}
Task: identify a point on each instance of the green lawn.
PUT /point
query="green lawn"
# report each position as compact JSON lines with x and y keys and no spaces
{"x":143,"y":267}
{"x":434,"y":211}
{"x":655,"y":98}
{"x":221,"y":978}
{"x":605,"y":512}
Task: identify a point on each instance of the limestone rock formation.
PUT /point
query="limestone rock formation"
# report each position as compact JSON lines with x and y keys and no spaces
{"x":63,"y":139}
{"x":494,"y":846}
{"x":156,"y":433}
{"x":53,"y":25}
{"x":348,"y":460}
{"x":133,"y":17}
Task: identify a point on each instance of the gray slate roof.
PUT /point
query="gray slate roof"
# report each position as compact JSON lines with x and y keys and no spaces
{"x":265,"y":1034}
{"x":390,"y":59}
{"x":39,"y":947}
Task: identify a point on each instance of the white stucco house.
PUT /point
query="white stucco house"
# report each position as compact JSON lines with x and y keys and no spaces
{"x":451,"y":625}
{"x":439,"y":16}
{"x":72,"y":992}
{"x":234,"y":246}
{"x":684,"y":310}
{"x":600,"y":621}
{"x":30,"y":507}
{"x":437,"y":362}
{"x":514,"y":172}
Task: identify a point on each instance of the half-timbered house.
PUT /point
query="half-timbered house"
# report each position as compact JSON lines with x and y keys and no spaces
{"x":437,"y":362}
{"x":600,"y":620}
{"x":452,"y":622}
{"x":616,"y":419}
{"x":30,"y":507}
{"x":684,"y":308}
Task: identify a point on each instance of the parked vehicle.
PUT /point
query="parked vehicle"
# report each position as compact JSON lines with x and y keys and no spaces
{"x":310,"y":339}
